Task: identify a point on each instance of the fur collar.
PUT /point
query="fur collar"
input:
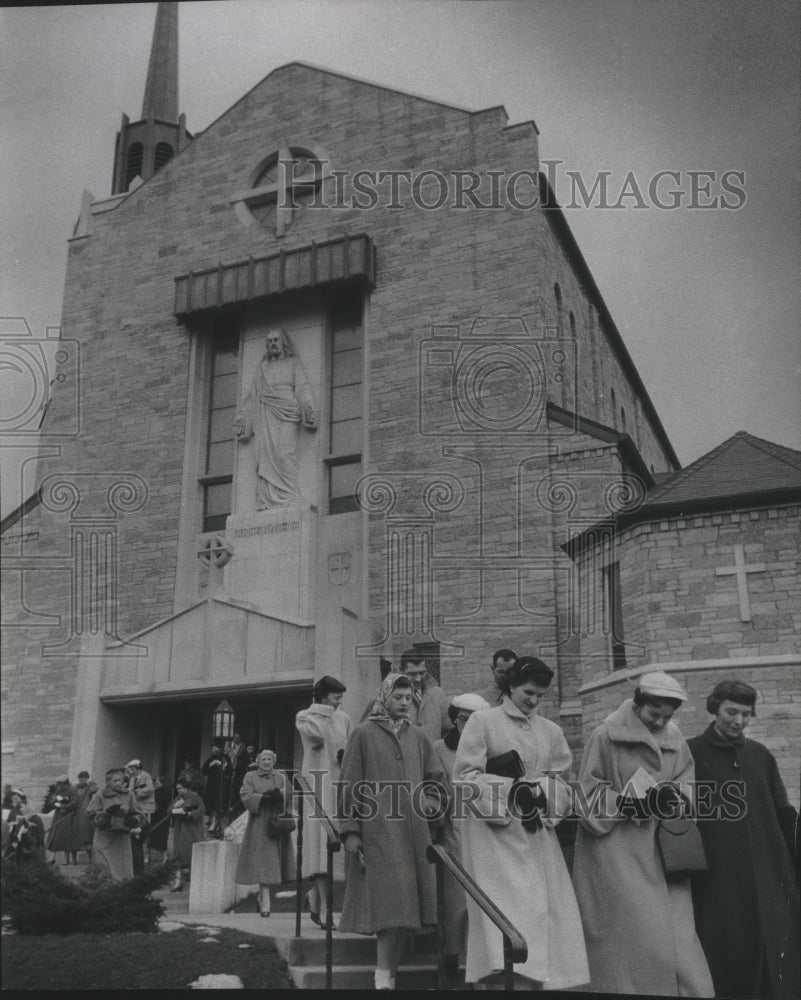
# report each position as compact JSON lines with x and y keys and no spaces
{"x":624,"y":726}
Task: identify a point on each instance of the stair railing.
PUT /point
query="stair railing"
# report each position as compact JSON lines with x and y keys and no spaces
{"x":304,"y":790}
{"x":515,"y":948}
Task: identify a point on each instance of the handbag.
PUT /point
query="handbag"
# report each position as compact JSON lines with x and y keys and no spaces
{"x":681,"y":848}
{"x":279,"y":826}
{"x":506,"y":765}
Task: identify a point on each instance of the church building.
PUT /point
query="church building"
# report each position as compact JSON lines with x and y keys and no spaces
{"x":336,"y":381}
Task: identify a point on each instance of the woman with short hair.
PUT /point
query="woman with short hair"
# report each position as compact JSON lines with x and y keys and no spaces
{"x":263,"y":859}
{"x":188,"y":828}
{"x":746,"y":905}
{"x":638,"y":925}
{"x":324,"y":730}
{"x":508,"y":766}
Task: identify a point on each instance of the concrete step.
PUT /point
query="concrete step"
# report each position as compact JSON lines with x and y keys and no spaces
{"x":362,"y":977}
{"x":353,"y":949}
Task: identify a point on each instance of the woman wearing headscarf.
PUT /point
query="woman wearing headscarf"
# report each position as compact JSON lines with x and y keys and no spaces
{"x":448,"y":835}
{"x":746,"y":905}
{"x":386,"y":809}
{"x":23,"y":832}
{"x":114,"y":815}
{"x":188,"y":829}
{"x":263,"y":859}
{"x":508,"y":765}
{"x":324,"y":730}
{"x":638,"y":925}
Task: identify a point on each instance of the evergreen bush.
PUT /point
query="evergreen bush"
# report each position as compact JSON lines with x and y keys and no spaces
{"x":38,"y":899}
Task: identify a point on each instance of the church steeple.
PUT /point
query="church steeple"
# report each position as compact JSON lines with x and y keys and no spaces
{"x":145,"y":146}
{"x":161,"y":89}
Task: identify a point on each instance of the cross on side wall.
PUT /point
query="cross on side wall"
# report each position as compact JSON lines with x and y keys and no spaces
{"x":740,"y":570}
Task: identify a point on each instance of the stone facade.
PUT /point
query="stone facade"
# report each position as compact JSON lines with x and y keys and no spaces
{"x":492,"y":375}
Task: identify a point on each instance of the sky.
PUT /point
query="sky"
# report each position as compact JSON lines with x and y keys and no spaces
{"x":706,"y":298}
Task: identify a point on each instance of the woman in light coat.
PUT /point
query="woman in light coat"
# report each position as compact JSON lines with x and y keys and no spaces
{"x":638,"y":926}
{"x":509,"y":843}
{"x":386,"y":810}
{"x":263,"y":859}
{"x":324,"y":730}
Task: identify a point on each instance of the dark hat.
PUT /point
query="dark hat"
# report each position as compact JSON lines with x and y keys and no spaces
{"x":327,"y":685}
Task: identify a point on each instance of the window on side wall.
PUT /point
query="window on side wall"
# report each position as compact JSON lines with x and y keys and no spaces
{"x":344,"y":459}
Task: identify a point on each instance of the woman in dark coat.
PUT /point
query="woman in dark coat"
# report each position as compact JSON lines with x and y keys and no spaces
{"x":746,"y":905}
{"x":264,"y":860}
{"x":159,"y":831}
{"x":62,"y":800}
{"x":23,"y":833}
{"x":390,"y":885}
{"x":217,"y":769}
{"x":188,"y":828}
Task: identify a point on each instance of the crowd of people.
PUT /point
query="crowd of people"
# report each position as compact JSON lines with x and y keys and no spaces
{"x":487,"y":777}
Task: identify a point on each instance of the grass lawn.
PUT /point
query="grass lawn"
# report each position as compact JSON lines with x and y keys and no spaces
{"x":161,"y":961}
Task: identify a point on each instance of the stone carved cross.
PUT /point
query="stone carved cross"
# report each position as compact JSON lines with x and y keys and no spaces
{"x":740,"y":570}
{"x":291,"y":170}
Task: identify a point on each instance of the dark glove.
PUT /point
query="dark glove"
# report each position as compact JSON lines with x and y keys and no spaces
{"x":664,"y":801}
{"x":631,"y":807}
{"x":340,"y":755}
{"x":526,"y":801}
{"x":115,"y":809}
{"x":272,"y":798}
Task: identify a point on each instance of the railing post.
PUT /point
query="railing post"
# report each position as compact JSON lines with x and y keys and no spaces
{"x":440,"y":874}
{"x":299,"y":860}
{"x":508,"y":970}
{"x":329,"y":923}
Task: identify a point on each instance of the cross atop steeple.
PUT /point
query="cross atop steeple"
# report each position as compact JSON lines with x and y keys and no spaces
{"x":146,"y":146}
{"x":161,"y":89}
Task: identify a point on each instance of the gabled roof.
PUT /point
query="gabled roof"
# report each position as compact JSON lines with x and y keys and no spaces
{"x":742,"y":469}
{"x":744,"y":472}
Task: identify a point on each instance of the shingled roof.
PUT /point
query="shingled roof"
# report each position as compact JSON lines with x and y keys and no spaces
{"x":743,"y":470}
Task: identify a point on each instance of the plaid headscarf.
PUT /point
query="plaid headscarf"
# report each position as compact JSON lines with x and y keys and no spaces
{"x":380,"y":710}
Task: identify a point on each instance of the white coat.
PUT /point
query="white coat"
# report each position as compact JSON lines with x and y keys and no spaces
{"x":324,"y":731}
{"x":523,"y":873}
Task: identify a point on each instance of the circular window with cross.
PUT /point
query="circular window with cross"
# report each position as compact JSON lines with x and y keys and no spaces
{"x":280,"y":185}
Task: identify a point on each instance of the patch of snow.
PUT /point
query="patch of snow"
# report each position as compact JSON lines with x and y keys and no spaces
{"x":217,"y":981}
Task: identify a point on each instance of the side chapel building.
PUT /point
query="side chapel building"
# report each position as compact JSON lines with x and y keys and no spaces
{"x":467,"y":457}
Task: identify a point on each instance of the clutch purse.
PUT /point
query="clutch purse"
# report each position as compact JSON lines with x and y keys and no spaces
{"x":506,"y":765}
{"x":681,"y":848}
{"x":279,"y":826}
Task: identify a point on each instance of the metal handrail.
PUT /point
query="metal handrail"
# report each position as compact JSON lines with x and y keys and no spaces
{"x":515,"y":948}
{"x":333,"y":844}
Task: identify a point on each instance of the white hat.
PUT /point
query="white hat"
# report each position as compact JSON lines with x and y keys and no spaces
{"x":658,"y":684}
{"x":469,"y":702}
{"x":134,"y":763}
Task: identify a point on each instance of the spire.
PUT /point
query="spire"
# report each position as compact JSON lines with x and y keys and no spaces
{"x":161,"y":89}
{"x":144,"y":147}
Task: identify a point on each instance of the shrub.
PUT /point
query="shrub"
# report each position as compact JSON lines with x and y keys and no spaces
{"x":40,"y":900}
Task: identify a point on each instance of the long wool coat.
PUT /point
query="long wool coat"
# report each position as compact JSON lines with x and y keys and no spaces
{"x":324,"y":731}
{"x":188,"y":829}
{"x":60,"y":837}
{"x":398,"y":887}
{"x":82,"y":828}
{"x":111,"y":846}
{"x":748,"y":900}
{"x":523,"y":873}
{"x":261,"y":859}
{"x":639,"y":928}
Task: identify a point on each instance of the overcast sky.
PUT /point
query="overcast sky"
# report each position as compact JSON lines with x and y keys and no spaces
{"x":706,"y":299}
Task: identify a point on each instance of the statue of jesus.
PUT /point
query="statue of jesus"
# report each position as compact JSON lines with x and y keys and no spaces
{"x":279,"y":402}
